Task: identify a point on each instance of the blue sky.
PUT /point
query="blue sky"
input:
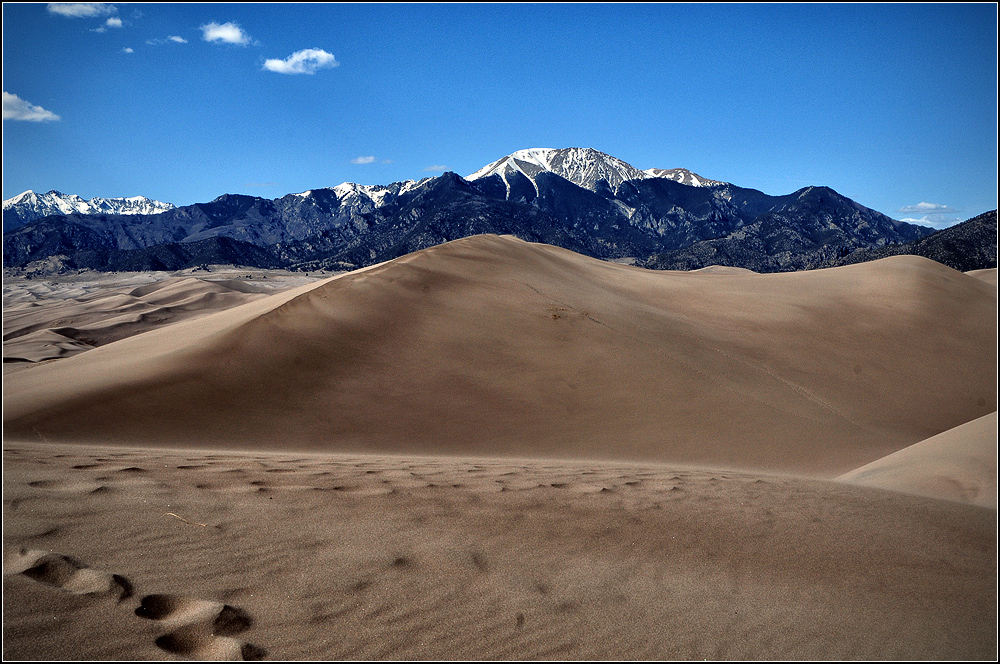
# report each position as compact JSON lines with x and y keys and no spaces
{"x":893,"y":105}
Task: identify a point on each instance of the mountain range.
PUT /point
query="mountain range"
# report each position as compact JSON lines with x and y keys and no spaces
{"x":29,"y":206}
{"x":577,"y":198}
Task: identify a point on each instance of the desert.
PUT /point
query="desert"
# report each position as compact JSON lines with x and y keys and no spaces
{"x":498,"y":449}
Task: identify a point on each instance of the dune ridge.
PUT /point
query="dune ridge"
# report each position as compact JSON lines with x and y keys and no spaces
{"x":959,"y":464}
{"x":494,"y":346}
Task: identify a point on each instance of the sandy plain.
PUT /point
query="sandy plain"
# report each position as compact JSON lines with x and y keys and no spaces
{"x":498,"y":450}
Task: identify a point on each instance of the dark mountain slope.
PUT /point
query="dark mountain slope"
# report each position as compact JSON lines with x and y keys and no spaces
{"x":800,"y":231}
{"x":679,"y":226}
{"x":970,"y":245}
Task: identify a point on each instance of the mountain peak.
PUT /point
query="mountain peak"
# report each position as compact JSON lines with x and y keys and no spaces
{"x":682,"y":175}
{"x":29,"y":206}
{"x":581,"y":166}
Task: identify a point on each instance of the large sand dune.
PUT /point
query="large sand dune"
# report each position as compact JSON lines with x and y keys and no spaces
{"x":500,"y":450}
{"x":494,"y":346}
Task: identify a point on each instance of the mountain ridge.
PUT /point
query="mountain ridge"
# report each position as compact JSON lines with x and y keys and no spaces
{"x":29,"y":206}
{"x":577,"y":198}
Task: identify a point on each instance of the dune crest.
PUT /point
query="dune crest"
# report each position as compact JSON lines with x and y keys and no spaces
{"x":959,"y":464}
{"x":989,"y":275}
{"x":494,"y":346}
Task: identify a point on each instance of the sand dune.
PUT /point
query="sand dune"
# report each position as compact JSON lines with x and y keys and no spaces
{"x":36,"y":331}
{"x":64,"y":315}
{"x":959,"y":464}
{"x":119,"y":553}
{"x":988,"y":275}
{"x":493,"y":346}
{"x":500,"y":450}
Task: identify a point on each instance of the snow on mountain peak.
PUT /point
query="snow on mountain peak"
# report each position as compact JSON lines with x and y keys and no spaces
{"x":29,"y":206}
{"x":682,"y":175}
{"x":581,"y":166}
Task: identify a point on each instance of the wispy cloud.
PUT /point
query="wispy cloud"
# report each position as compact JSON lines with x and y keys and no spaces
{"x":113,"y":22}
{"x":228,"y":33}
{"x":306,"y":61}
{"x":933,"y":215}
{"x":172,"y":38}
{"x":437,"y":168}
{"x":927,"y":208}
{"x":128,"y":49}
{"x":15,"y":108}
{"x":363,"y":160}
{"x":81,"y":9}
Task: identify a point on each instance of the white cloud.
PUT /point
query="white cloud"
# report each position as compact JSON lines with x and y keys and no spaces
{"x":362,"y":160}
{"x":931,"y":214}
{"x":435,"y":168}
{"x":306,"y":61}
{"x":15,"y":108}
{"x":81,"y":9}
{"x":113,"y":22}
{"x":127,"y":50}
{"x":927,"y":208}
{"x":230,"y":33}
{"x":171,"y":38}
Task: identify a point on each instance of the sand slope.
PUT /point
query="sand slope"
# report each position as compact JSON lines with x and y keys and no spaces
{"x":118,"y":553}
{"x":959,"y":464}
{"x":490,"y":345}
{"x":989,"y":275}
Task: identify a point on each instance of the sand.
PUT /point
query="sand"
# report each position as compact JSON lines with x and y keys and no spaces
{"x":989,"y":275}
{"x":493,"y":449}
{"x":490,"y":345}
{"x":312,"y":556}
{"x":958,"y":464}
{"x":46,"y":319}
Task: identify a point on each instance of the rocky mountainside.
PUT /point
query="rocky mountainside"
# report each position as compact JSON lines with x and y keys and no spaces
{"x":29,"y":206}
{"x":577,"y":198}
{"x":581,"y":166}
{"x":970,"y":245}
{"x":807,"y":229}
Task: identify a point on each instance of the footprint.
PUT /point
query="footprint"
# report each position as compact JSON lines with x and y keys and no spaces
{"x":197,"y":629}
{"x":55,"y":569}
{"x":200,"y":629}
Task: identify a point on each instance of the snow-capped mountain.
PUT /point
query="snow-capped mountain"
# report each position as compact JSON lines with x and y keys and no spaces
{"x":364,"y":196}
{"x":577,"y":198}
{"x":581,"y":166}
{"x":29,"y":206}
{"x":682,"y":175}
